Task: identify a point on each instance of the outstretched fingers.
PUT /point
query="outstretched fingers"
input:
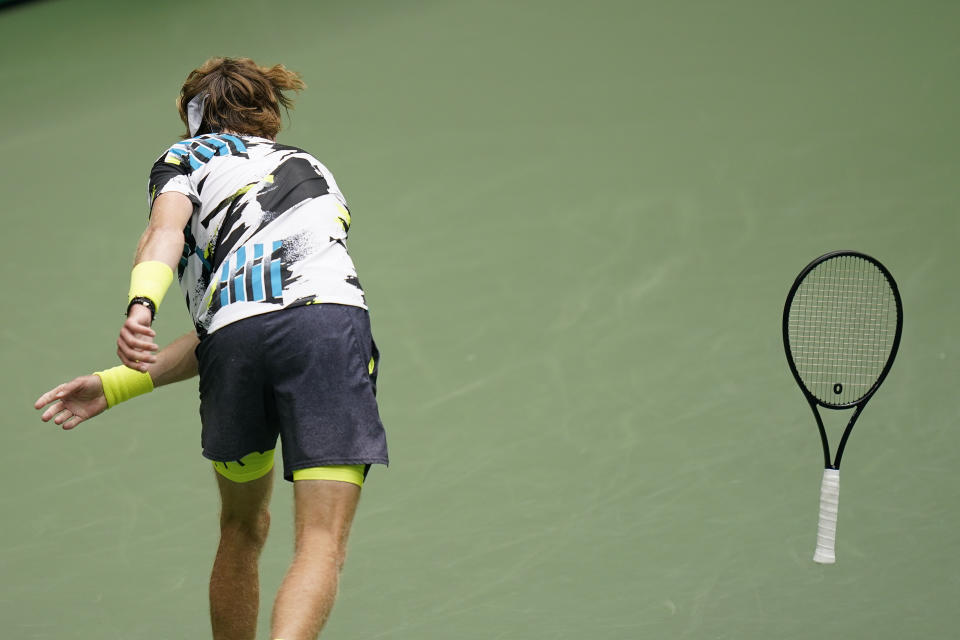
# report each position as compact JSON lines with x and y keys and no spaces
{"x":71,"y":403}
{"x":62,"y":415}
{"x":48,"y":397}
{"x":52,"y":411}
{"x":72,"y":421}
{"x":59,"y":392}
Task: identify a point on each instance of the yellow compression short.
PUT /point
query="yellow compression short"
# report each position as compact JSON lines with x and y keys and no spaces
{"x":256,"y":465}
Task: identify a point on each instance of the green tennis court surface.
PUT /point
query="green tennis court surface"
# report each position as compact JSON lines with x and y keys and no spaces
{"x":576,"y":224}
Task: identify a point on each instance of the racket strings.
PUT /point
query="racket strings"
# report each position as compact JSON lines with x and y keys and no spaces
{"x":842,"y":325}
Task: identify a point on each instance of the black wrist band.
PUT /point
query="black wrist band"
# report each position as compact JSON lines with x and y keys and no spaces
{"x":147,"y":302}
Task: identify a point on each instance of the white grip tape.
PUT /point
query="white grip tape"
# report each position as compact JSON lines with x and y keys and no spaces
{"x":827,"y":527}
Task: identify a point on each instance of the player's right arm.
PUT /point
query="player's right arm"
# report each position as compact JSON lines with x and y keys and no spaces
{"x":158,"y":255}
{"x":86,"y":397}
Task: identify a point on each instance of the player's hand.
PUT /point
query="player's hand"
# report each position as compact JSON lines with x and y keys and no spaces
{"x":135,"y":346}
{"x":73,"y":402}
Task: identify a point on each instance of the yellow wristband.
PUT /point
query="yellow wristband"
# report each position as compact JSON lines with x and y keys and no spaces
{"x":122,"y":383}
{"x":150,"y":280}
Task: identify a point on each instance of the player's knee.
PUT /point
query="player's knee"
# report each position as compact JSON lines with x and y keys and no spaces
{"x":323,"y":544}
{"x":340,"y":557}
{"x":251,"y":529}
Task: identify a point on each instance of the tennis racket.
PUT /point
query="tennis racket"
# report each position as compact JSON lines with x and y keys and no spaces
{"x":841,"y":330}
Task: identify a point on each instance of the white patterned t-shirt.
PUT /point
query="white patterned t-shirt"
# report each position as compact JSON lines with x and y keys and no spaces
{"x":268,"y":230}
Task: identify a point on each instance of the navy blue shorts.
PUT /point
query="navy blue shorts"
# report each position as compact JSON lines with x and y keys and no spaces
{"x":306,"y":374}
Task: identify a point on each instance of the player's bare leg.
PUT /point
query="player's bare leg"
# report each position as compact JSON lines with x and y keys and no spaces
{"x":324,"y":512}
{"x":235,"y":580}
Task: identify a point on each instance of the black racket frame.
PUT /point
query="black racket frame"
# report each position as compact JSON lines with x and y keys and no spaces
{"x":862,"y":402}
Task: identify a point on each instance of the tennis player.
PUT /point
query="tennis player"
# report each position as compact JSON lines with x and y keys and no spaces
{"x":255,"y":232}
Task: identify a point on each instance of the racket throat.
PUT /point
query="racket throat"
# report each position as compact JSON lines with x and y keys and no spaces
{"x":846,"y":435}
{"x":824,"y":441}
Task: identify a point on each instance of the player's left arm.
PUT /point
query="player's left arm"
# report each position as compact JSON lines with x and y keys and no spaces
{"x":158,"y":254}
{"x":86,"y":397}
